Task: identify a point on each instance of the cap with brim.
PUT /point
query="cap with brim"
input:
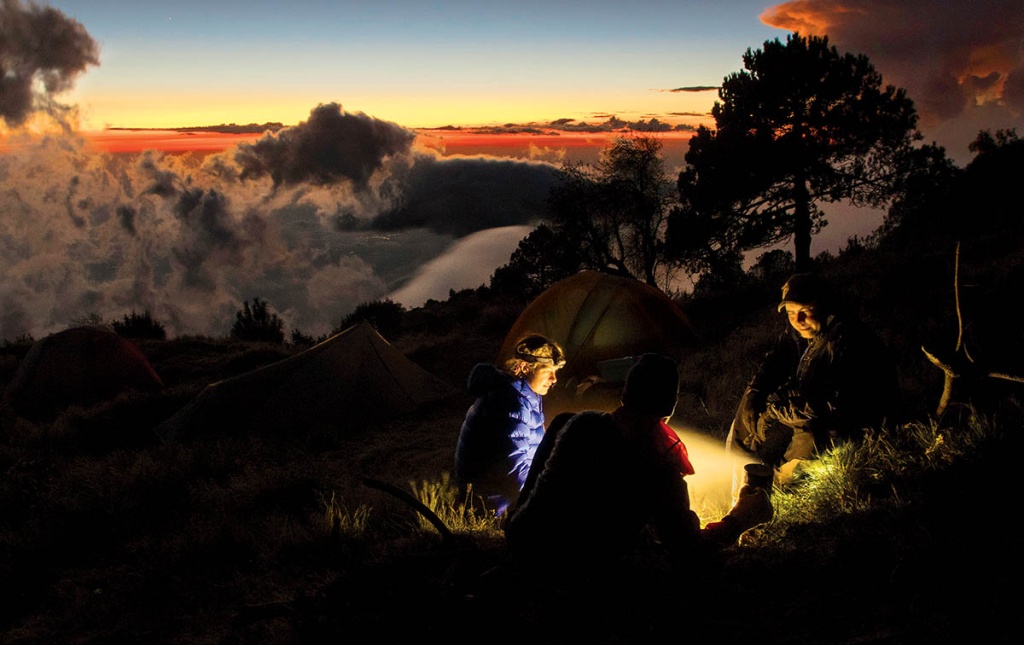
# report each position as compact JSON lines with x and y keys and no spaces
{"x":805,"y":289}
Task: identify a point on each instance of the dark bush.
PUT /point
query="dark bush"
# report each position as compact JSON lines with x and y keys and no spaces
{"x":136,"y":325}
{"x":257,"y":324}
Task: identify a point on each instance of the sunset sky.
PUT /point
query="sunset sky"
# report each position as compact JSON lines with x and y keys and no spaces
{"x":413,"y":97}
{"x":420,"y":64}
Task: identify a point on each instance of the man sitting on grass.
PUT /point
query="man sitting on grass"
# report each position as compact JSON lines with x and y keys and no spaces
{"x":827,"y":378}
{"x":609,"y":478}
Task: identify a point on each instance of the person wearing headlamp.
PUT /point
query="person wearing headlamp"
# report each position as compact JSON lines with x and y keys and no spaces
{"x":502,"y":429}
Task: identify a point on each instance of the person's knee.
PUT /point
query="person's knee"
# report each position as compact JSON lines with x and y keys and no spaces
{"x":777,"y":439}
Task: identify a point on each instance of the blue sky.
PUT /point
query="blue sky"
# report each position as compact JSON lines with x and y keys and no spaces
{"x":422,"y":64}
{"x":454,"y":62}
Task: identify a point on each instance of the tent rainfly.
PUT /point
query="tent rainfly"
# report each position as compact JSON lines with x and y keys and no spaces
{"x":351,"y":379}
{"x":81,"y":365}
{"x":602,"y":322}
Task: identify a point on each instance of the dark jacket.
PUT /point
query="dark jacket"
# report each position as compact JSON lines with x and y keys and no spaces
{"x":608,"y":478}
{"x":499,"y":436}
{"x":837,"y":384}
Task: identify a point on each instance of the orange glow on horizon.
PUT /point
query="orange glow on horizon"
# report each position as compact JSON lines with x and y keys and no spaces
{"x":131,"y":141}
{"x":546,"y":145}
{"x":119,"y":141}
{"x":444,"y":141}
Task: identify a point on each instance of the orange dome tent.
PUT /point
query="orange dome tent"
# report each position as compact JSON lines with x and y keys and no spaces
{"x":602,"y":321}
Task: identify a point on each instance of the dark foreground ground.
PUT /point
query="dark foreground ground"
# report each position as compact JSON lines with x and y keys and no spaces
{"x":941,"y":569}
{"x":223,"y":541}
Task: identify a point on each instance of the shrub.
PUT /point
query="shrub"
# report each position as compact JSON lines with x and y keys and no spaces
{"x":256,"y":323}
{"x":300,"y":339}
{"x":135,"y":325}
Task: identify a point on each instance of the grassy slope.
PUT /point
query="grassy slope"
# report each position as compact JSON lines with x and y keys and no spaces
{"x":107,"y":535}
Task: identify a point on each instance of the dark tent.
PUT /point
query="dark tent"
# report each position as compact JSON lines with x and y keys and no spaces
{"x":78,"y":366}
{"x":351,"y":379}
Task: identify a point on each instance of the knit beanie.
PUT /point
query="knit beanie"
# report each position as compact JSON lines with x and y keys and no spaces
{"x":652,"y":385}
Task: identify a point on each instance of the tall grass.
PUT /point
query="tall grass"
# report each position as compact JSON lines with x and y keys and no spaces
{"x":345,"y":521}
{"x":460,"y":513}
{"x":880,"y":473}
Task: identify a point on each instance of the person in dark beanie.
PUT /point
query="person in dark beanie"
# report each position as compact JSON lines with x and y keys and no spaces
{"x":610,"y":479}
{"x":504,"y":426}
{"x":827,"y":379}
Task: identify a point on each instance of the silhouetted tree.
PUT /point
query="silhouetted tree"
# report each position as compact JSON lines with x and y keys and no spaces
{"x":989,"y":198}
{"x":724,"y":277}
{"x":614,"y":214}
{"x":541,"y":259}
{"x":946,"y":204}
{"x":921,"y":205}
{"x":386,"y":316}
{"x":802,"y":124}
{"x":256,"y":323}
{"x":773,"y":267}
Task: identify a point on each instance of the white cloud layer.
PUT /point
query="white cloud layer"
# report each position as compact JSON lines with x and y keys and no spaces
{"x":467,"y":264}
{"x":334,"y":212}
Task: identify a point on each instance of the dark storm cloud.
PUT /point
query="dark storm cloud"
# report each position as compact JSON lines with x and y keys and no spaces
{"x":205,"y":212}
{"x":126,"y":216}
{"x":207,"y":230}
{"x":69,"y":202}
{"x":693,"y":88}
{"x":162,"y":181}
{"x":950,"y":56}
{"x":39,"y":46}
{"x":464,"y":195}
{"x":651,"y":125}
{"x":331,"y":147}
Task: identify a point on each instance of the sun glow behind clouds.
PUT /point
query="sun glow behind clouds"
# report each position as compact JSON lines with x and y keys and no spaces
{"x":165,"y":140}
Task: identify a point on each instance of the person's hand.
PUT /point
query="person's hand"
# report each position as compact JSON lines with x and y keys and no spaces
{"x":790,"y":413}
{"x":750,"y":409}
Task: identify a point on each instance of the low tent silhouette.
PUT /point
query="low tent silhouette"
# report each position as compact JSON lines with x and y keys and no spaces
{"x":351,"y":379}
{"x":603,"y":322}
{"x":78,"y":366}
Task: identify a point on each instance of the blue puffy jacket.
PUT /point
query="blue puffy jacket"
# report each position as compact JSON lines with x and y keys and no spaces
{"x":499,"y":436}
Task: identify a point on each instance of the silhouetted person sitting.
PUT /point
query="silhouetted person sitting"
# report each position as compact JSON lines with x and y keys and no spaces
{"x":613,"y":478}
{"x":827,"y":379}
